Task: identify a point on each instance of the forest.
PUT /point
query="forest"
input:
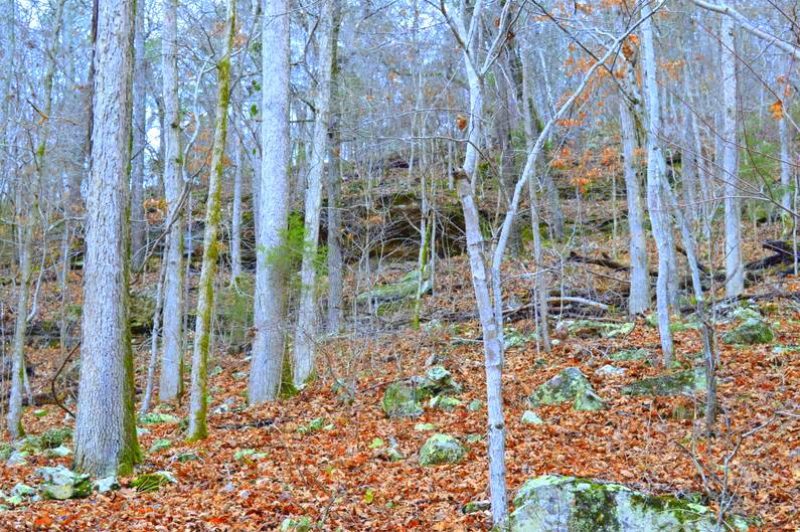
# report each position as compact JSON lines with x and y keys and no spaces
{"x":509,"y":265}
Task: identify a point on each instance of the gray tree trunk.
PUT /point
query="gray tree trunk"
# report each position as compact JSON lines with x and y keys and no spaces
{"x":138,"y":222}
{"x":170,"y":384}
{"x":272,"y":193}
{"x":656,"y":188}
{"x":236,"y":215}
{"x":639,"y":297}
{"x":734,"y":269}
{"x":105,"y":427}
{"x":306,"y":330}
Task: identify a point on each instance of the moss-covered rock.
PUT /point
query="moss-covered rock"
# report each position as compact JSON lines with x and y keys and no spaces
{"x":683,"y":382}
{"x":572,"y":504}
{"x":594,"y":329}
{"x":404,"y":288}
{"x":142,"y":307}
{"x":437,"y":381}
{"x":401,"y":400}
{"x":568,"y":386}
{"x":750,"y":330}
{"x":441,"y":449}
{"x":445,"y":402}
{"x":630,"y":354}
{"x":61,"y":483}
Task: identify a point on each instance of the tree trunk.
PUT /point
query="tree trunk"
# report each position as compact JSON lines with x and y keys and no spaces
{"x":334,"y":190}
{"x":198,"y":407}
{"x":236,"y":215}
{"x":172,"y":355}
{"x":138,"y":222}
{"x":305,"y":333}
{"x":639,"y":297}
{"x":656,"y":189}
{"x":14,"y":415}
{"x":272,"y":192}
{"x":105,"y":430}
{"x":734,"y":270}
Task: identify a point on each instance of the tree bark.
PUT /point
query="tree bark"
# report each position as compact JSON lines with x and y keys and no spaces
{"x":105,"y":431}
{"x":306,"y":330}
{"x":272,"y":193}
{"x":170,"y":384}
{"x":734,"y":271}
{"x":198,"y":406}
{"x":138,"y":222}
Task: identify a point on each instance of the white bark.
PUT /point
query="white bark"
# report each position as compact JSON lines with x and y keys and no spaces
{"x":236,"y":215}
{"x":306,"y":330}
{"x":14,"y":414}
{"x":170,"y":385}
{"x":138,"y":223}
{"x":272,"y":192}
{"x":639,"y":297}
{"x":105,"y":432}
{"x":734,"y":269}
{"x":657,"y":188}
{"x":786,"y":163}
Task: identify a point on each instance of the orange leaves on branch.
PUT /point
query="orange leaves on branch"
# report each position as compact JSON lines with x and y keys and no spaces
{"x":461,"y":122}
{"x":776,"y":110}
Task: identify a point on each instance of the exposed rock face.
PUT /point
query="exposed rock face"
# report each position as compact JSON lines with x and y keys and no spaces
{"x":568,"y":386}
{"x":402,"y":399}
{"x":752,"y":329}
{"x":569,"y":504}
{"x":684,"y":382}
{"x":61,"y":483}
{"x":441,"y":449}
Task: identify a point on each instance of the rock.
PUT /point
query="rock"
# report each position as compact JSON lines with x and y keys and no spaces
{"x":141,"y":307}
{"x":401,"y":400}
{"x":752,"y":329}
{"x":188,"y":457}
{"x":62,"y":484}
{"x":610,"y":371}
{"x":248,"y":455}
{"x":631,"y":354}
{"x":404,"y":288}
{"x":441,"y":449}
{"x":530,"y":417}
{"x":445,"y":402}
{"x":424,"y":427}
{"x":104,"y":485}
{"x":569,"y":385}
{"x":475,"y":405}
{"x":17,"y":458}
{"x":58,"y":452}
{"x":684,"y":382}
{"x":6,"y":449}
{"x":476,"y":506}
{"x":225,"y":406}
{"x":301,"y":524}
{"x":593,"y":329}
{"x":572,"y":504}
{"x":437,"y":381}
{"x":22,"y":490}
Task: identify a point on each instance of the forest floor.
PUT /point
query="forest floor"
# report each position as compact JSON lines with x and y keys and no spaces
{"x":323,"y":458}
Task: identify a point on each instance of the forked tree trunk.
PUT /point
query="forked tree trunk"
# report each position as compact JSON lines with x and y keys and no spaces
{"x":656,"y":189}
{"x":198,"y":406}
{"x":105,"y":427}
{"x":172,"y":355}
{"x":306,"y":330}
{"x":272,"y":192}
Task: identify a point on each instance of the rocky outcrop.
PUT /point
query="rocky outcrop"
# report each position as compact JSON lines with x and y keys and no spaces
{"x":568,"y":386}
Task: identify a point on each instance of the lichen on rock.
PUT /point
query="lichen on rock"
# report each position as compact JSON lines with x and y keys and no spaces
{"x":683,"y":382}
{"x":571,"y":385}
{"x":441,"y":449}
{"x":572,"y":504}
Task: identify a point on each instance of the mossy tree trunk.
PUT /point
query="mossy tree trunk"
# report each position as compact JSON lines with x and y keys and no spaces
{"x":105,"y":427}
{"x":198,"y":428}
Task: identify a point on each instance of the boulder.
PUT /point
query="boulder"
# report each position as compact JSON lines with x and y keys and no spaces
{"x":571,"y":504}
{"x":683,"y":382}
{"x":610,"y":371}
{"x":437,"y":381}
{"x":61,"y":483}
{"x":402,"y":399}
{"x":752,"y":329}
{"x":568,"y":386}
{"x":594,"y":329}
{"x":530,"y":417}
{"x":441,"y":449}
{"x":630,"y":354}
{"x":404,"y":288}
